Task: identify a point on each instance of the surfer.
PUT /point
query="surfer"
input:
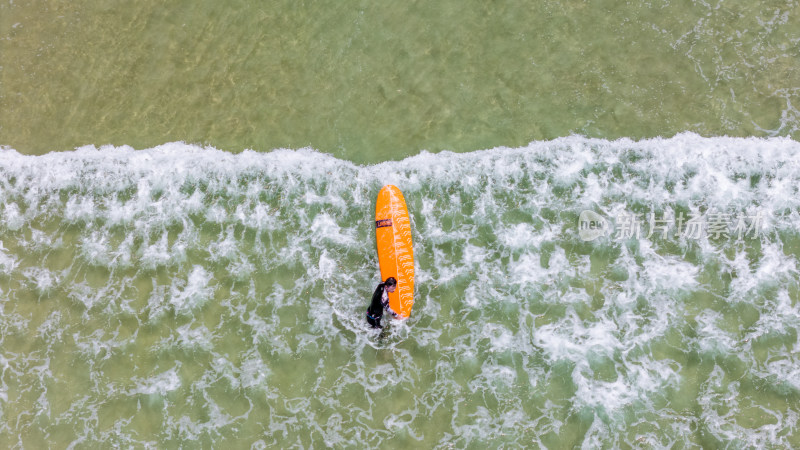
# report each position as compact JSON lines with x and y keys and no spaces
{"x":380,"y":300}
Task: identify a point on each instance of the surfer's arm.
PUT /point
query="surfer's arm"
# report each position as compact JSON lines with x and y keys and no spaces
{"x":385,"y":303}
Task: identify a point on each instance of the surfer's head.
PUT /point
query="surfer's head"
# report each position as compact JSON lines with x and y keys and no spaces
{"x":390,"y":284}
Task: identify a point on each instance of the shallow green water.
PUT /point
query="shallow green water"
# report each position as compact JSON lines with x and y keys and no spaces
{"x":373,"y":81}
{"x":189,"y":296}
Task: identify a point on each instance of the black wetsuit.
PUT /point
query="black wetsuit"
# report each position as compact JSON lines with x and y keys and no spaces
{"x":375,"y":310}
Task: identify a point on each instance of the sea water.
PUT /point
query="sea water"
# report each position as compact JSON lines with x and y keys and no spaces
{"x":371,"y":81}
{"x":597,"y":265}
{"x":182,"y":294}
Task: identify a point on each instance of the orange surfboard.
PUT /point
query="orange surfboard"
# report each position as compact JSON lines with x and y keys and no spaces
{"x":395,"y":252}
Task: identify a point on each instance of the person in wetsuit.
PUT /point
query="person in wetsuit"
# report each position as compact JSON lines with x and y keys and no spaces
{"x":380,"y":300}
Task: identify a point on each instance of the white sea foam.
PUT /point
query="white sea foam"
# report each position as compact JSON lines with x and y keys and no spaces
{"x":251,"y":273}
{"x":193,"y":292}
{"x":8,"y":262}
{"x":190,"y":338}
{"x":159,"y":384}
{"x":41,"y":279}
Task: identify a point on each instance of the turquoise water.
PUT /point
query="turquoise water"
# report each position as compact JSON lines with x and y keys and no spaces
{"x":202,"y":280}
